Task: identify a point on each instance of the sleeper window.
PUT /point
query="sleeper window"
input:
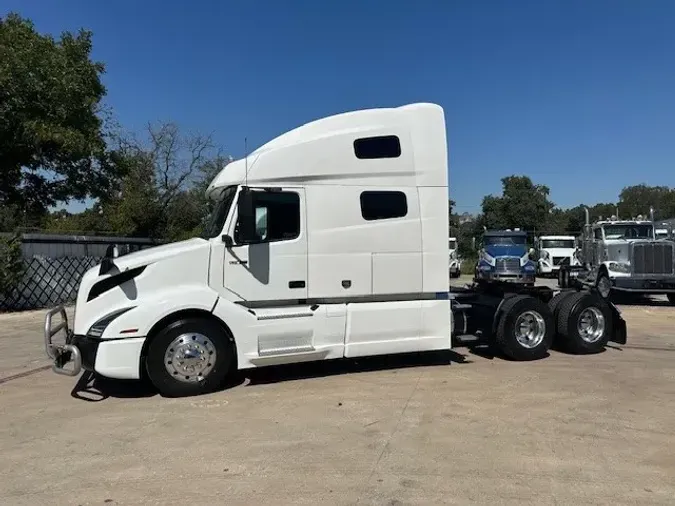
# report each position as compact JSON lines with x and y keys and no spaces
{"x":383,"y":205}
{"x":384,"y":146}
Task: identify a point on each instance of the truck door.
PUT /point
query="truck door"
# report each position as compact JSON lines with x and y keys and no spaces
{"x":274,"y":268}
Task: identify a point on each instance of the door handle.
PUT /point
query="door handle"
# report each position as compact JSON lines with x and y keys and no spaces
{"x":296,"y":284}
{"x":238,"y":262}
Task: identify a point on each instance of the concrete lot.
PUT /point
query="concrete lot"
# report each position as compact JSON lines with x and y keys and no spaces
{"x":431,"y":429}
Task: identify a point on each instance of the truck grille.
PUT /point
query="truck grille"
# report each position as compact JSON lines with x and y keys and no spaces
{"x":507,"y":264}
{"x":653,"y":258}
{"x":561,"y":260}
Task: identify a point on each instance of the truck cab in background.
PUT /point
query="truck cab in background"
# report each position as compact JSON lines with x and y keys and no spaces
{"x":555,"y":251}
{"x":504,"y":256}
{"x":625,"y":257}
{"x":455,"y":266}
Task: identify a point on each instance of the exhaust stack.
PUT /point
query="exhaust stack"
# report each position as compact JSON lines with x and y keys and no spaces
{"x":651,"y":214}
{"x":588,"y":219}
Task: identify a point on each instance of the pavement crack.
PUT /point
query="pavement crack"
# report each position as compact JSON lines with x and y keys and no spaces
{"x":390,"y":437}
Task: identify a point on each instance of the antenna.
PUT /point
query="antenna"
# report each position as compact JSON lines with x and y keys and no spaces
{"x":245,"y":161}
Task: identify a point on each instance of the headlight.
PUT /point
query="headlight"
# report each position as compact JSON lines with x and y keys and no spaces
{"x":524,"y":259}
{"x":617,"y":267}
{"x":487,"y":257}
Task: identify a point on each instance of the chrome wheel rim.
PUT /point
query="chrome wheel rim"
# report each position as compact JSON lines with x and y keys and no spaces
{"x":604,"y":286}
{"x":591,"y":324}
{"x":190,"y":357}
{"x":530,"y":329}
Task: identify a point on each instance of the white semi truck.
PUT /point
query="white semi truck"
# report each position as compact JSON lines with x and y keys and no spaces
{"x":555,"y":251}
{"x":327,"y":242}
{"x":455,"y":263}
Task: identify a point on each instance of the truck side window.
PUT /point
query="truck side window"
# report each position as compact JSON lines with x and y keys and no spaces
{"x":277,"y":216}
{"x":383,"y":205}
{"x":598,"y":234}
{"x":384,"y":146}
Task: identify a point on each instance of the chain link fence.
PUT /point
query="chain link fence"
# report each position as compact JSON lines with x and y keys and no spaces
{"x":54,"y":266}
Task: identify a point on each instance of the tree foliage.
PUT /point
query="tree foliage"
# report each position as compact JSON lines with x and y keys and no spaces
{"x":523,"y":204}
{"x":11,"y":264}
{"x":161,"y":191}
{"x":51,"y":140}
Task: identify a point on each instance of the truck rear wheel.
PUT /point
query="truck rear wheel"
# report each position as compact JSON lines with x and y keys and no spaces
{"x":584,"y":323}
{"x":554,"y":303}
{"x":191,"y":356}
{"x":526,"y":328}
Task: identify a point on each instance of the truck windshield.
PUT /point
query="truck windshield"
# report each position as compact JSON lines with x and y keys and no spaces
{"x":628,"y":231}
{"x":557,"y":243}
{"x":217,"y":219}
{"x":504,"y":241}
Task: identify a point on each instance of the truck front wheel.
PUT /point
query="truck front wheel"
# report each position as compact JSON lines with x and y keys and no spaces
{"x":191,"y":356}
{"x":603,"y":285}
{"x":526,"y":328}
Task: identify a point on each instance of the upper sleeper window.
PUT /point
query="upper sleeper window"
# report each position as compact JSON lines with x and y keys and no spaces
{"x":383,"y":205}
{"x":385,"y":146}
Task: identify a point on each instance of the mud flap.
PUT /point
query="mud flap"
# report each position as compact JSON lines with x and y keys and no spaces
{"x":619,"y":332}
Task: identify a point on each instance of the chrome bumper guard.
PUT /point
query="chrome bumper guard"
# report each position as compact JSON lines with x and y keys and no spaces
{"x":61,"y":354}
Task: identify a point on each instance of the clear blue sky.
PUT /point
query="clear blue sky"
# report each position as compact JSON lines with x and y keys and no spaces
{"x":579,"y":95}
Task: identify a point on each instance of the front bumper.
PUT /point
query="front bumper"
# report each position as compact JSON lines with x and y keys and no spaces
{"x":80,"y":350}
{"x":631,"y":284}
{"x":512,"y":277}
{"x":546,"y":268}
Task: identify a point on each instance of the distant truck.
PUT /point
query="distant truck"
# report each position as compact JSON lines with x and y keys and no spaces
{"x":504,"y":256}
{"x":554,"y":251}
{"x":455,"y":268}
{"x":624,"y":256}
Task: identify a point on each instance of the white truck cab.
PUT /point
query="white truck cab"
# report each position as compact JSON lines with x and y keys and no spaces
{"x":555,"y":251}
{"x":326,"y":242}
{"x":455,"y":266}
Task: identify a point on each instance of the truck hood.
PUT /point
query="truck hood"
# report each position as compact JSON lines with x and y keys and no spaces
{"x":502,"y":250}
{"x":157,"y":253}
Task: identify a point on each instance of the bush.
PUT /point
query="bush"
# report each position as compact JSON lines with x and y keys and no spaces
{"x":469,"y":264}
{"x":11,"y":264}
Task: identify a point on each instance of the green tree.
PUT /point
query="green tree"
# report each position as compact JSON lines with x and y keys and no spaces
{"x":11,"y":264}
{"x":51,"y":140}
{"x":635,"y":200}
{"x":162,"y":191}
{"x":523,"y":204}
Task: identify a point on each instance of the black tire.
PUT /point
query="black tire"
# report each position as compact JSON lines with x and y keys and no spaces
{"x":600,"y":280}
{"x":671,"y":298}
{"x":506,"y":338}
{"x":554,"y":303}
{"x":223,"y":348}
{"x":568,"y":318}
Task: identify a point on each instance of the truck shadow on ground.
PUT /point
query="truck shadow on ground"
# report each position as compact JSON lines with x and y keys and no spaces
{"x":322,"y":369}
{"x":91,"y":387}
